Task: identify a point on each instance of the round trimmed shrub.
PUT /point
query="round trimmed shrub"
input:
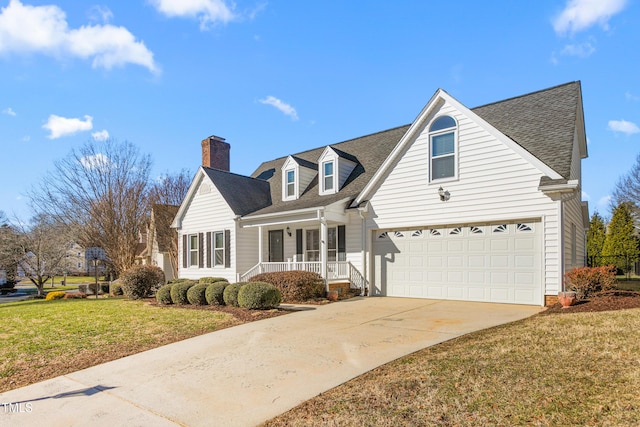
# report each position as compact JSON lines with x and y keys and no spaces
{"x":141,"y":281}
{"x":230,"y":294}
{"x":259,"y":295}
{"x":295,"y":286}
{"x":209,"y":280}
{"x":179,"y":291}
{"x":215,"y":293}
{"x":163,"y":296}
{"x":195,"y":294}
{"x":55,"y":295}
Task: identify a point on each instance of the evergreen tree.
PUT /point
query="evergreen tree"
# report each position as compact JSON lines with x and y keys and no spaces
{"x":595,"y":239}
{"x":620,"y":245}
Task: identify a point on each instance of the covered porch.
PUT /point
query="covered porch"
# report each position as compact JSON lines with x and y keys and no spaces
{"x":313,"y":240}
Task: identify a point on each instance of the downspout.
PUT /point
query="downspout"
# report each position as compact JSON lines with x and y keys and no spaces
{"x":362,"y":210}
{"x":561,"y":240}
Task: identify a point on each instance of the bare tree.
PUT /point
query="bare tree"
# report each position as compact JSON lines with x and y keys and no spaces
{"x":41,"y":249}
{"x":165,"y":196}
{"x":102,"y":189}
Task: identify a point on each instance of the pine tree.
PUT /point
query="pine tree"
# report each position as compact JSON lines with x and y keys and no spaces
{"x":595,"y":239}
{"x":620,"y":245}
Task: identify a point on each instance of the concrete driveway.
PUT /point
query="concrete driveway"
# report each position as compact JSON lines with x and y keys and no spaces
{"x":250,"y":373}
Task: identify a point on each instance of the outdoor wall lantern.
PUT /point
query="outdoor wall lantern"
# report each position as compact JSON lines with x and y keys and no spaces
{"x":444,"y":194}
{"x":288,"y":231}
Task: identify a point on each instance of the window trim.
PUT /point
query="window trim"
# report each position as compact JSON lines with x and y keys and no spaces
{"x":293,"y":183}
{"x":215,"y":249}
{"x":324,"y":177}
{"x":193,"y":261}
{"x":439,"y":132}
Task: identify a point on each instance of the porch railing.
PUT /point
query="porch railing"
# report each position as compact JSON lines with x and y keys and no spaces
{"x":340,"y":270}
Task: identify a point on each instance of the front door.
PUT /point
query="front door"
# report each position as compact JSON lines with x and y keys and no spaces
{"x":276,"y":246}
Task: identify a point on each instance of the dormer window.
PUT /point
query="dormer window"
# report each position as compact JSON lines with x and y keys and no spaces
{"x":443,"y":148}
{"x":328,"y":179}
{"x":290,"y":191}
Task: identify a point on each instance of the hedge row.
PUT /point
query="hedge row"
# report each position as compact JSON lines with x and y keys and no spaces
{"x":296,"y":285}
{"x":252,"y":295}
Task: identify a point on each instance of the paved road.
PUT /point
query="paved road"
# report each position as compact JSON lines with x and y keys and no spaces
{"x":247,"y":374}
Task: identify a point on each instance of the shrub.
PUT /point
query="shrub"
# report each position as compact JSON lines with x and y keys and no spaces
{"x":75,"y":295}
{"x":259,"y":295}
{"x":209,"y":280}
{"x":195,"y":294}
{"x":141,"y":281}
{"x":585,"y":281}
{"x":116,"y":289}
{"x":215,"y":293}
{"x":55,"y":295}
{"x":172,"y":281}
{"x":230,"y":294}
{"x":82,"y":289}
{"x":92,"y":288}
{"x":104,"y":288}
{"x":163,"y":296}
{"x":295,"y":286}
{"x":179,"y":291}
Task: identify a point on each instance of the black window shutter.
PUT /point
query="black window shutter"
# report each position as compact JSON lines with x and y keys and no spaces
{"x":201,"y":250}
{"x":185,"y":251}
{"x":342,"y":245}
{"x":227,"y":248}
{"x":209,"y":254}
{"x":299,"y":244}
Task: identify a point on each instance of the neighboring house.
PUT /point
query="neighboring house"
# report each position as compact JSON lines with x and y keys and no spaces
{"x":75,"y":260}
{"x":479,"y":204}
{"x":163,"y":240}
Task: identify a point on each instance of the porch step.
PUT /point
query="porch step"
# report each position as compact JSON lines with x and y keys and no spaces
{"x":342,"y":286}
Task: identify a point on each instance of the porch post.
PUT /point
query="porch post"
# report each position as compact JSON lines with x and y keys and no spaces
{"x":260,"y":245}
{"x":324,"y":238}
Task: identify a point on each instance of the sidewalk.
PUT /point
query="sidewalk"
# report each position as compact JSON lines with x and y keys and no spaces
{"x":247,"y":374}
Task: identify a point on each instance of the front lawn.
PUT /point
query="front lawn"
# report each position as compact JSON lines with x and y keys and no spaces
{"x":43,"y":339}
{"x":578,"y":369}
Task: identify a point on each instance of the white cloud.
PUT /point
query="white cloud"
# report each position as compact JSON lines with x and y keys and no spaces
{"x":96,"y":161}
{"x":44,"y":29}
{"x":579,"y":15}
{"x":103,"y":135}
{"x":582,"y":50}
{"x":623,"y":126}
{"x":631,"y":97}
{"x":604,"y":203}
{"x":62,"y":126}
{"x":282,"y":106}
{"x":9,"y":112}
{"x":585,"y":196}
{"x":207,"y":11}
{"x":100,"y":14}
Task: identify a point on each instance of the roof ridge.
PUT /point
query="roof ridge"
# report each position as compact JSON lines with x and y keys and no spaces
{"x":232,"y":173}
{"x":527,"y":94}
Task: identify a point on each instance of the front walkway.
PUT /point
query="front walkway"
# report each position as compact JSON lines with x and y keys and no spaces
{"x":250,"y":373}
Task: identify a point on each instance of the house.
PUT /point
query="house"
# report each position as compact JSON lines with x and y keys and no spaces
{"x":480,"y":204}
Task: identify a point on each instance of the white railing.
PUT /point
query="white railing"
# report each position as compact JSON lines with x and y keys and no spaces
{"x":341,"y":270}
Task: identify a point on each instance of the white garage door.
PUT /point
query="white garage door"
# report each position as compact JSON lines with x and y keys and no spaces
{"x":484,"y":262}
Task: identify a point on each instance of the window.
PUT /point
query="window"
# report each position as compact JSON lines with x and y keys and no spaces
{"x":328,"y":176}
{"x":442,"y":137}
{"x":193,"y":250}
{"x":312,"y":252}
{"x":291,"y":183}
{"x":332,"y":244}
{"x":218,"y":248}
{"x":574,"y":253}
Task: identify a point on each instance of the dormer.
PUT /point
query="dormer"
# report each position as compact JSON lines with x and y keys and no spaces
{"x":334,"y":167}
{"x":297,"y":173}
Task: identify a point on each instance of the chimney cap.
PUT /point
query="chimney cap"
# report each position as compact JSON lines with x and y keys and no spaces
{"x":219,"y":138}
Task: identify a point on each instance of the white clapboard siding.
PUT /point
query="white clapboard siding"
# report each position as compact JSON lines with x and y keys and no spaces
{"x":494,"y":184}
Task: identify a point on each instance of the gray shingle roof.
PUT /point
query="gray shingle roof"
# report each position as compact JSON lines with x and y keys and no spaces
{"x":243,"y":194}
{"x":542,"y":122}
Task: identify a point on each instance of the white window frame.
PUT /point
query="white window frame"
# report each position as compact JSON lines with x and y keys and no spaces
{"x":332,"y":177}
{"x":193,"y":261}
{"x":434,"y":134}
{"x":290,"y":195}
{"x":215,"y":249}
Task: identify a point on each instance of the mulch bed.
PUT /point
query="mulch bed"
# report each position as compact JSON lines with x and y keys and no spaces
{"x":604,"y":301}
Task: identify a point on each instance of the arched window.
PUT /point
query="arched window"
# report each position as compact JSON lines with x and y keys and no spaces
{"x":442,"y":141}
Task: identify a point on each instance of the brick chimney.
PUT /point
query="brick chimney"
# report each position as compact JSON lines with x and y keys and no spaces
{"x":215,"y":153}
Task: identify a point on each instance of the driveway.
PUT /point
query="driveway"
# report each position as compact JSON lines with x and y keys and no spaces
{"x":247,"y":374}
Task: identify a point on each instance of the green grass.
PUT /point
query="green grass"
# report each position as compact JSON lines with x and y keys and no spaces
{"x":41,"y":339}
{"x":579,"y":369}
{"x":71,"y":280}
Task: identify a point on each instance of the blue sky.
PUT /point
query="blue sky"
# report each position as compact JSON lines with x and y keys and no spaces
{"x":277,"y":77}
